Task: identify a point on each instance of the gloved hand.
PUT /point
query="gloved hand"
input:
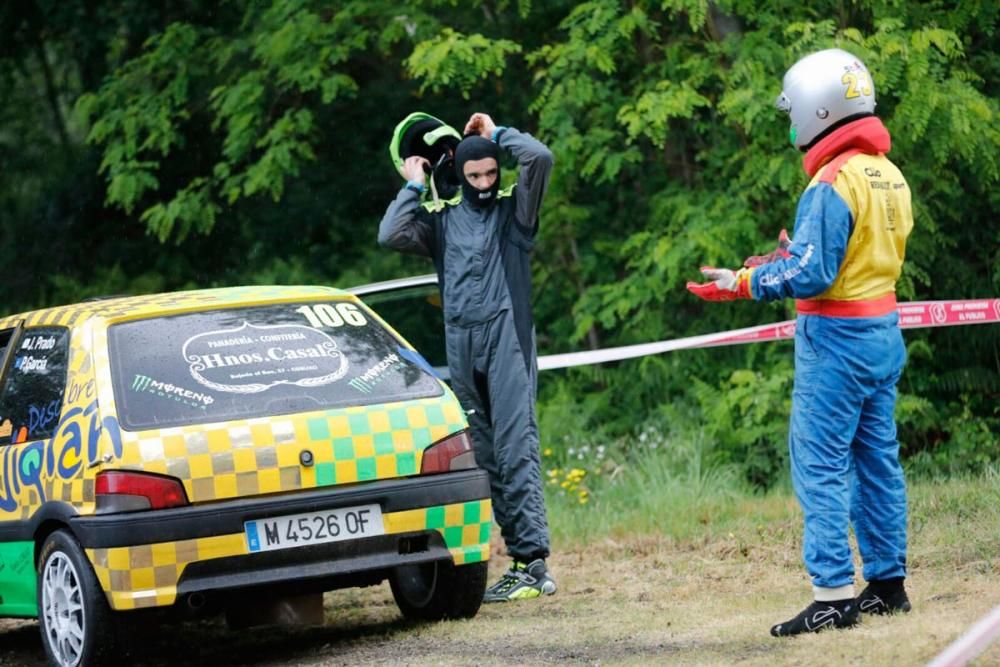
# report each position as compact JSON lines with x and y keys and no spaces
{"x":780,"y":252}
{"x":726,"y":285}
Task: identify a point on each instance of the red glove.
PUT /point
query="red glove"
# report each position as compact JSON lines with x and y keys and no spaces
{"x":780,"y":252}
{"x":726,"y":285}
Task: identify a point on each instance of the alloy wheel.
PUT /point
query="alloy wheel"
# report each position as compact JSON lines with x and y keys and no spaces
{"x":62,"y":609}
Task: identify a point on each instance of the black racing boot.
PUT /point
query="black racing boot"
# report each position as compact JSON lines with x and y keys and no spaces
{"x":819,"y":616}
{"x":884,"y":596}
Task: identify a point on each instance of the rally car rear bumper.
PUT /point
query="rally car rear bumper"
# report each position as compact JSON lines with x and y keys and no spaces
{"x":153,"y":558}
{"x":227,"y":517}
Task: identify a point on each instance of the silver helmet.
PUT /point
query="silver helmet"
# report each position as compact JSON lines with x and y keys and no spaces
{"x":821,"y":90}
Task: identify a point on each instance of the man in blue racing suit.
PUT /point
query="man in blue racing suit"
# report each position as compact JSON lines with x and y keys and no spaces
{"x":480,"y":245}
{"x":841,"y":266}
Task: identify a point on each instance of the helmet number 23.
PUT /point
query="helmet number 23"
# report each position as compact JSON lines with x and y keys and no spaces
{"x":855,"y":82}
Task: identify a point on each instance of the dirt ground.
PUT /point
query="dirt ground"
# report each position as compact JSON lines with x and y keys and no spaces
{"x":645,"y":601}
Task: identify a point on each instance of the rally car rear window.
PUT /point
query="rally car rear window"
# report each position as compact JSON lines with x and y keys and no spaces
{"x":259,"y":361}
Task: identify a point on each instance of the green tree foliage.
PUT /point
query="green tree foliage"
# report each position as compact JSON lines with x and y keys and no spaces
{"x":182,"y":146}
{"x":60,"y":242}
{"x":253,"y":84}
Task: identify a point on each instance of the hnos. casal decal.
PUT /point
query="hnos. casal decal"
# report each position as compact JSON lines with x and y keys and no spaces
{"x":252,"y":359}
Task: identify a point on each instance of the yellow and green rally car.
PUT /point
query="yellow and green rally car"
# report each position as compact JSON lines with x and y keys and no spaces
{"x":222,"y":449}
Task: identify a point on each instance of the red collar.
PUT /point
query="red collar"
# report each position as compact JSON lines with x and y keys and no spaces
{"x":866,"y":134}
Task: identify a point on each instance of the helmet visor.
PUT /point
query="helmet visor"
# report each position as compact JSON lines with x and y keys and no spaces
{"x":782,"y":103}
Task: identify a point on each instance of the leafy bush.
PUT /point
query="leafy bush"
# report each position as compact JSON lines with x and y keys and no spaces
{"x":188,"y":144}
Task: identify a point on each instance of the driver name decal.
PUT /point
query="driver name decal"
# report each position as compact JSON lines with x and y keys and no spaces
{"x":251,"y":359}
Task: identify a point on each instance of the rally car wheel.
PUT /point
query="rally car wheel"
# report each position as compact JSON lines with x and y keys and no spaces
{"x":73,"y":613}
{"x":433,"y":591}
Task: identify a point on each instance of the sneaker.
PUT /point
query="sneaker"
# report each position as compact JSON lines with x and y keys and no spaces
{"x":884,"y":597}
{"x":819,"y":616}
{"x":522,"y":581}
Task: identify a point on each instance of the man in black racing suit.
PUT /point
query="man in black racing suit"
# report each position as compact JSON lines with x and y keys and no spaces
{"x":480,"y":245}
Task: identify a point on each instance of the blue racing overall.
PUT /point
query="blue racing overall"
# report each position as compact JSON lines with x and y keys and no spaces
{"x":847,"y":253}
{"x":482,"y":258}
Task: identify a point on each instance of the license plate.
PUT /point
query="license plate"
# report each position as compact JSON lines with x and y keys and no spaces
{"x":301,"y":530}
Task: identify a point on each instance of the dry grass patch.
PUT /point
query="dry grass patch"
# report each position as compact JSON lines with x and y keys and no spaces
{"x":645,"y":598}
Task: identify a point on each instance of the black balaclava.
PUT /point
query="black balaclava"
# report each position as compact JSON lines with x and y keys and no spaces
{"x":476,"y":147}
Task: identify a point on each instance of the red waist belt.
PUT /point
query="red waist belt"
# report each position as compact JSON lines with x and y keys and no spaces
{"x":832,"y":308}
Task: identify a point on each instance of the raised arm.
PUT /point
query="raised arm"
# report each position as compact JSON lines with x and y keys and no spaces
{"x":404,"y":226}
{"x":536,"y":163}
{"x":535,"y":160}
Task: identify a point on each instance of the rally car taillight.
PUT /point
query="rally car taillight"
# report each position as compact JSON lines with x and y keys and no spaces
{"x":121,"y":490}
{"x":452,"y":453}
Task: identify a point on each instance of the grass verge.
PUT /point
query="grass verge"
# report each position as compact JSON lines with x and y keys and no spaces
{"x":661,"y":567}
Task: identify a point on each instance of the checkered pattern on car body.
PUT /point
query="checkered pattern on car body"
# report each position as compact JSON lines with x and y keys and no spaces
{"x":69,"y":448}
{"x":147,"y":575}
{"x":261,"y":455}
{"x":235,"y":459}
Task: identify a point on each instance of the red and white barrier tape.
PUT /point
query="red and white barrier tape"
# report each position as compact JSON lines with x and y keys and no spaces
{"x":912,"y":315}
{"x":975,"y":640}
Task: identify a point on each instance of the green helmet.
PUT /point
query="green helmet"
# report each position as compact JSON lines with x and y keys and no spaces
{"x":424,"y":135}
{"x":431,"y":138}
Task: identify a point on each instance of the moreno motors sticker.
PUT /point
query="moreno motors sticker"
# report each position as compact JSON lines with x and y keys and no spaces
{"x":148,"y":385}
{"x":372,"y":376}
{"x":250,"y":359}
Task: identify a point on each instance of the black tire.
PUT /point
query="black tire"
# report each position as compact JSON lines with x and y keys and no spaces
{"x":77,"y":625}
{"x":439,"y":590}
